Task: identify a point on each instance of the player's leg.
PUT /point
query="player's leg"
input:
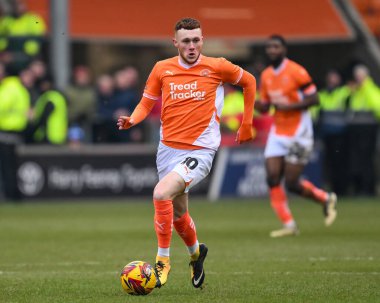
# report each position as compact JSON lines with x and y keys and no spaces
{"x":279,"y":202}
{"x":185,"y":227}
{"x":184,"y":224}
{"x":193,"y":168}
{"x":307,"y":189}
{"x":165,"y":191}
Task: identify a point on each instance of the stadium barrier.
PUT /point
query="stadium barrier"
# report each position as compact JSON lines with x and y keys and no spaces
{"x":46,"y":172}
{"x":88,"y":171}
{"x":240,"y":172}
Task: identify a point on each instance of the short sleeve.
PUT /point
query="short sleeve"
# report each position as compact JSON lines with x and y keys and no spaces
{"x":304,"y":81}
{"x":230,"y":72}
{"x":153,"y":85}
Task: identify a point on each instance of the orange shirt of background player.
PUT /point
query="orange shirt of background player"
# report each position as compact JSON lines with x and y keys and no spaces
{"x":286,"y":84}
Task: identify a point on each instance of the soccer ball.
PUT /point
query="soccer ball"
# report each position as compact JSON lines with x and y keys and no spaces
{"x":138,"y":278}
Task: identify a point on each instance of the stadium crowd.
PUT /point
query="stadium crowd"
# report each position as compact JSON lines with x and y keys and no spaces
{"x":86,"y":112}
{"x":33,"y":110}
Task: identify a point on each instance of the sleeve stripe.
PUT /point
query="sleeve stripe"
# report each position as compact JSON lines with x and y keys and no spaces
{"x":239,"y":78}
{"x":310,"y":90}
{"x":303,"y":87}
{"x":151,"y":97}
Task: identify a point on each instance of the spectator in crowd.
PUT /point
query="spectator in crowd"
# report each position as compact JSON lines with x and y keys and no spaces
{"x":81,"y":103}
{"x":39,"y":70}
{"x":25,"y":31}
{"x":50,"y":121}
{"x":104,"y":130}
{"x":17,"y":96}
{"x":364,"y":106}
{"x":333,"y":129}
{"x":29,"y":81}
{"x":14,"y":107}
{"x":334,"y":96}
{"x":126,"y":94}
{"x":125,"y":100}
{"x":14,"y":103}
{"x":5,"y":20}
{"x":366,"y":94}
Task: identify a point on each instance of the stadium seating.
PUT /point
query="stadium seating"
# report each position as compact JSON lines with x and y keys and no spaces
{"x":370,"y":12}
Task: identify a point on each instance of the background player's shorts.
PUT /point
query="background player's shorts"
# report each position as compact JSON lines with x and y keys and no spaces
{"x":296,"y":149}
{"x":192,"y":165}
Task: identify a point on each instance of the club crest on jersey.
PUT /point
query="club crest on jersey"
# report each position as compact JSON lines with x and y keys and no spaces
{"x":186,"y":91}
{"x":205,"y":73}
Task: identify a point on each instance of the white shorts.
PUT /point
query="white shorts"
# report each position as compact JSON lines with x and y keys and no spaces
{"x":192,"y":165}
{"x":296,"y":149}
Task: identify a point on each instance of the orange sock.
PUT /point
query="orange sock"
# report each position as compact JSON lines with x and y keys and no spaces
{"x":309,"y":190}
{"x":185,"y":228}
{"x":279,"y":204}
{"x":163,"y":221}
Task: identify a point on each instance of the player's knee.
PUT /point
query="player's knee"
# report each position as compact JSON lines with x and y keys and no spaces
{"x":160,"y":193}
{"x":273,"y":181}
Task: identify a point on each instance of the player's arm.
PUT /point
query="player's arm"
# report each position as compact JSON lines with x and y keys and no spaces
{"x":141,"y":111}
{"x":235,"y":75}
{"x":248,"y":83}
{"x":310,"y":98}
{"x":150,"y":97}
{"x":307,"y":88}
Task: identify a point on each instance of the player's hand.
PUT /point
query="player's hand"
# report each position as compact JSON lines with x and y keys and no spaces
{"x":125,"y":122}
{"x":245,"y":133}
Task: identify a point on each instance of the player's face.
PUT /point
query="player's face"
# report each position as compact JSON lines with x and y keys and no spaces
{"x":275,"y":50}
{"x":189,"y":44}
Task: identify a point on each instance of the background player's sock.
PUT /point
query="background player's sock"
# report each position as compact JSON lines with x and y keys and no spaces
{"x":163,"y":220}
{"x":185,"y":228}
{"x":279,"y":205}
{"x":309,"y":190}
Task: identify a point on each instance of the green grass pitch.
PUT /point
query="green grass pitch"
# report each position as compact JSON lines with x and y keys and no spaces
{"x":74,"y":251}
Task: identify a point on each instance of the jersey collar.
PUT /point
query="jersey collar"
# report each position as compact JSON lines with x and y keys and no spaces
{"x":281,"y":67}
{"x":187,"y":66}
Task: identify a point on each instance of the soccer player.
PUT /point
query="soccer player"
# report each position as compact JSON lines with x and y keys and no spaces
{"x":289,"y":88}
{"x":190,"y":86}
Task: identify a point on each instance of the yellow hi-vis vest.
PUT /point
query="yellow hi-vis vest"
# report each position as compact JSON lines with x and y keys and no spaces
{"x":366,"y":98}
{"x":28,"y":24}
{"x":14,"y":105}
{"x":55,"y":129}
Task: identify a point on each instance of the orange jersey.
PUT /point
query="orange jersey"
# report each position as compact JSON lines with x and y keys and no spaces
{"x":290,"y":82}
{"x":192,"y":99}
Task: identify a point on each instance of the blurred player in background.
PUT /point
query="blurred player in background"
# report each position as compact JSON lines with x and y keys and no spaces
{"x":190,"y":86}
{"x":289,"y":88}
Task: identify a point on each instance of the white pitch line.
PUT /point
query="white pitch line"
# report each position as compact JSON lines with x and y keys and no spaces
{"x":342,"y":259}
{"x":54,"y":272}
{"x":373,"y":273}
{"x":91,"y":263}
